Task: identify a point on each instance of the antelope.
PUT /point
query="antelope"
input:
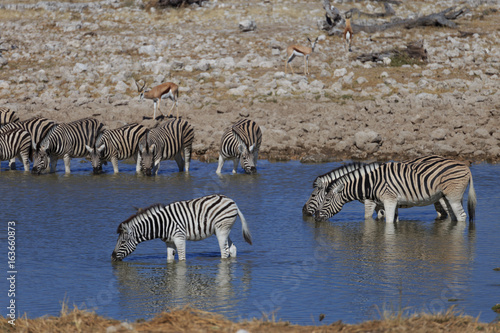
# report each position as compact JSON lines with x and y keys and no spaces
{"x":302,"y":51}
{"x":347,"y":35}
{"x":166,"y":89}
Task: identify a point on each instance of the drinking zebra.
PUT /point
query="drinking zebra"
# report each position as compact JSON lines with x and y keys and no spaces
{"x":16,"y":143}
{"x":37,"y":127}
{"x":66,"y":141}
{"x":406,"y":185}
{"x":164,"y":143}
{"x":117,"y":144}
{"x":321,"y":183}
{"x":179,"y":221}
{"x":241,"y":142}
{"x":7,"y":116}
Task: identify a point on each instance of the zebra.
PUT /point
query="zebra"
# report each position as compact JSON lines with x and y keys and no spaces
{"x":66,"y":141}
{"x":37,"y":127}
{"x":396,"y":184}
{"x":7,"y":116}
{"x":117,"y":144}
{"x":179,"y":221}
{"x":16,"y":142}
{"x":163,"y":143}
{"x":241,"y":142}
{"x":321,"y":182}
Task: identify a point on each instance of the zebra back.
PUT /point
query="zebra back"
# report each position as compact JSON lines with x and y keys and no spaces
{"x":7,"y":116}
{"x":71,"y":138}
{"x":38,"y":127}
{"x":248,"y":132}
{"x":14,"y":142}
{"x":323,"y":180}
{"x":121,"y":142}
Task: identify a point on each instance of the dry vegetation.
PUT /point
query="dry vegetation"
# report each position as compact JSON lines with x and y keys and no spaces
{"x":193,"y":320}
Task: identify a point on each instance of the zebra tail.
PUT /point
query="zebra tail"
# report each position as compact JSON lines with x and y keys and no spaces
{"x":246,"y":233}
{"x":471,"y":201}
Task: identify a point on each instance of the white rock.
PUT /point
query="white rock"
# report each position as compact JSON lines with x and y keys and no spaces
{"x":121,"y":86}
{"x":247,"y":25}
{"x":4,"y":84}
{"x":340,"y":72}
{"x":147,"y":49}
{"x":79,"y":68}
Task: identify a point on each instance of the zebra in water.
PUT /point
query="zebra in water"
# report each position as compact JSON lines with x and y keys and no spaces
{"x":401,"y":184}
{"x":7,"y":116}
{"x":16,"y":143}
{"x":164,"y":143}
{"x":241,"y":142}
{"x":66,"y":141}
{"x":117,"y":144}
{"x":37,"y":127}
{"x":180,"y":221}
{"x":321,"y":183}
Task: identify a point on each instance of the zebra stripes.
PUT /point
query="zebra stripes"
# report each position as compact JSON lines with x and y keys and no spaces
{"x":66,"y":141}
{"x":37,"y":127}
{"x":177,"y":222}
{"x":164,"y":143}
{"x":7,"y":116}
{"x":16,"y":143}
{"x":114,"y":145}
{"x":241,"y":142}
{"x":405,"y":185}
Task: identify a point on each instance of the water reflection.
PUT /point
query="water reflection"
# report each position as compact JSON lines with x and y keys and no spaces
{"x":148,"y":289}
{"x":420,"y":265}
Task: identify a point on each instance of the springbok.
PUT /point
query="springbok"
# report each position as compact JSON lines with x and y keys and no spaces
{"x":166,"y":89}
{"x":301,"y":51}
{"x":347,"y":35}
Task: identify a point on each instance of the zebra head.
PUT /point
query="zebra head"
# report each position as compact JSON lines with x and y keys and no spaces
{"x":316,"y":198}
{"x":96,"y":158}
{"x":40,"y":159}
{"x":247,"y":158}
{"x":126,"y":243}
{"x":332,"y":203}
{"x":146,"y":154}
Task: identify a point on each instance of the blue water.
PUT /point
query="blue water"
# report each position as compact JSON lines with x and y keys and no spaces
{"x":346,"y":268}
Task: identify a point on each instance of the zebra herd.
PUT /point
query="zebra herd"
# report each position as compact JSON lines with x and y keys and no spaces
{"x":45,"y":142}
{"x":381,"y":187}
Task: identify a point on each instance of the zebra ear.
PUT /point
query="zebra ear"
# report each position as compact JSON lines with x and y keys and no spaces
{"x":90,"y":150}
{"x":339,"y":188}
{"x":152,"y":147}
{"x":101,"y":148}
{"x":241,"y":148}
{"x":142,"y":148}
{"x":251,"y":148}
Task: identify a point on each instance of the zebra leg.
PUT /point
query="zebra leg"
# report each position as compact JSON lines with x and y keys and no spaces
{"x":458,"y":210}
{"x":232,"y":248}
{"x":67,"y":163}
{"x":180,"y":161}
{"x":235,"y":165}
{"x":170,"y":251}
{"x":26,"y":161}
{"x":12,"y":163}
{"x":390,"y":211}
{"x":221,"y":163}
{"x":441,"y":208}
{"x":369,"y":208}
{"x":138,"y":163}
{"x":223,"y":238}
{"x":114,"y":161}
{"x":187,"y":158}
{"x":180,"y":245}
{"x":53,"y":164}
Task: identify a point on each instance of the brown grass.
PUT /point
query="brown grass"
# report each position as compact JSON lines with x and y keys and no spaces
{"x":194,"y":320}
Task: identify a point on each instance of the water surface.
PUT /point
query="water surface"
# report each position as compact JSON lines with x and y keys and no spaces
{"x":346,"y":268}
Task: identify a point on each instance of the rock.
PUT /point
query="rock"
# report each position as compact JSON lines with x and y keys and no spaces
{"x":4,"y":84}
{"x":247,"y":25}
{"x":3,"y":62}
{"x":368,"y":141}
{"x":147,"y":49}
{"x":79,"y":68}
{"x":121,"y":87}
{"x":438,"y":134}
{"x":203,"y":65}
{"x":340,"y":72}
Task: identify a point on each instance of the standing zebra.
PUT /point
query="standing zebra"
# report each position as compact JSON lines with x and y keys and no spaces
{"x":321,"y":183}
{"x":37,"y":127}
{"x":406,"y":185}
{"x":114,"y":145}
{"x":7,"y":116}
{"x":66,"y":141}
{"x":177,"y":222}
{"x":16,"y":142}
{"x":164,"y":143}
{"x":241,"y":142}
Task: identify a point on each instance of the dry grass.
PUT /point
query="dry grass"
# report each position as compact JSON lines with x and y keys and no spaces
{"x":193,"y":320}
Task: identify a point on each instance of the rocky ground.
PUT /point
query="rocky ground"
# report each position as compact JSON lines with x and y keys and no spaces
{"x":69,"y":60}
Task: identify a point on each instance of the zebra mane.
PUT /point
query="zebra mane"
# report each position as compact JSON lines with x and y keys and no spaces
{"x":336,"y":173}
{"x":140,"y":212}
{"x":362,"y":170}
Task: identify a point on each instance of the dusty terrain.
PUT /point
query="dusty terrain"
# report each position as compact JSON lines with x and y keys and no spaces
{"x":69,"y":60}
